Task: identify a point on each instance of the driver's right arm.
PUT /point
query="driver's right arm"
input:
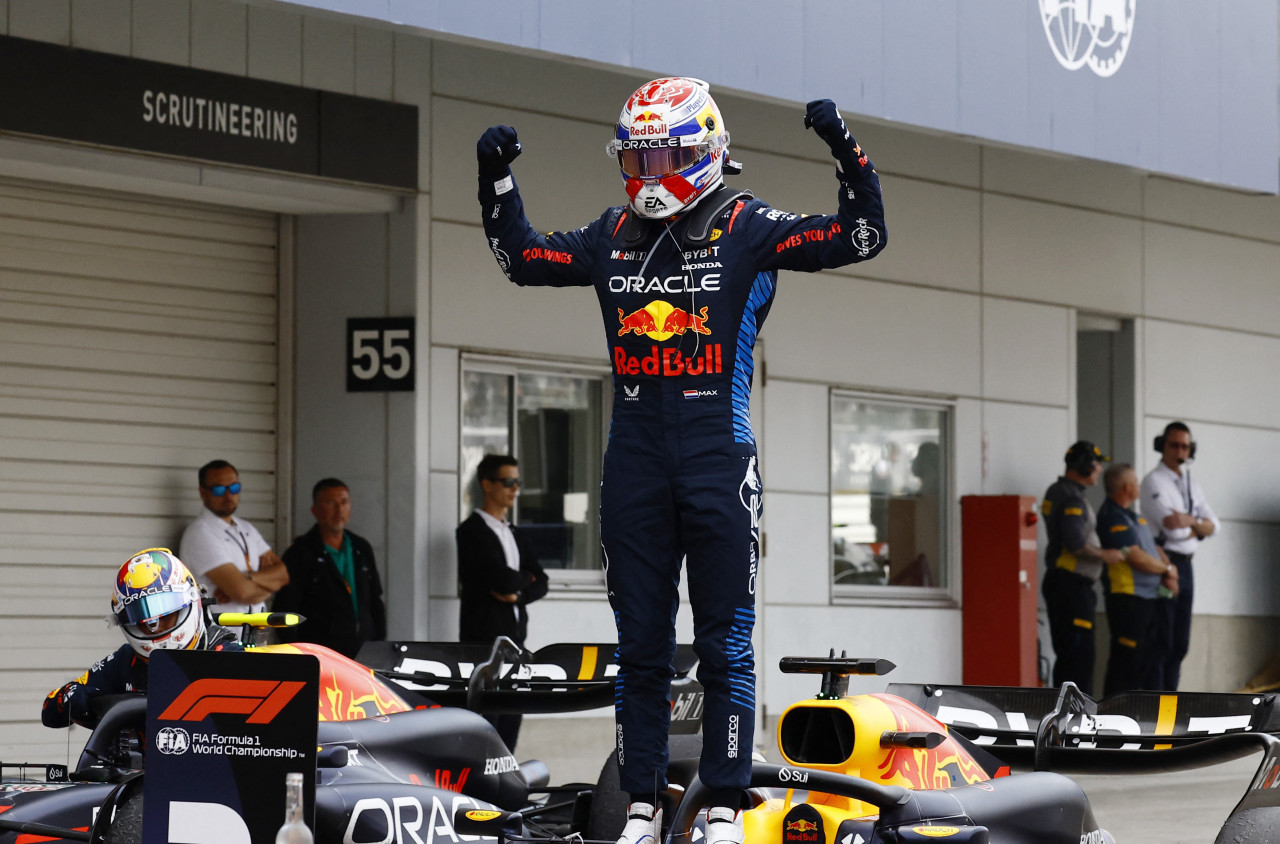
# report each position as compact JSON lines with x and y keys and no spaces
{"x":70,"y":703}
{"x":526,"y":257}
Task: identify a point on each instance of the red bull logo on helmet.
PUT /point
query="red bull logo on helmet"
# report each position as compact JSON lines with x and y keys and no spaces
{"x":648,"y":123}
{"x":660,"y":320}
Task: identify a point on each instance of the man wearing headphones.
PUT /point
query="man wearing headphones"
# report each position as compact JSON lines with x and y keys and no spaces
{"x":1074,"y":559}
{"x":1179,"y":514}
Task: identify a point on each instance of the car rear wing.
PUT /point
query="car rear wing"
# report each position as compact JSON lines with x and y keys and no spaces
{"x":505,"y":678}
{"x":1015,"y":722}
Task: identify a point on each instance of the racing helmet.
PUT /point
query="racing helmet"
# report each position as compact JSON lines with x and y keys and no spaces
{"x":671,"y":145}
{"x":156,"y":603}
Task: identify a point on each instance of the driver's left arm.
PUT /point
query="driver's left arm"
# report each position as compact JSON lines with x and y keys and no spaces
{"x":856,"y":232}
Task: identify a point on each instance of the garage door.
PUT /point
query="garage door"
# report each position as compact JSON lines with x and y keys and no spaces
{"x":137,"y":341}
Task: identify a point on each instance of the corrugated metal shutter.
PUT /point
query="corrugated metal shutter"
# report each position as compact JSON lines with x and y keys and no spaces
{"x":138,"y":340}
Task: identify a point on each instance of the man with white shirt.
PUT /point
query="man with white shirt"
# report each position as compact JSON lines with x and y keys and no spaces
{"x":1180,"y":516}
{"x":228,"y":556}
{"x":498,"y":573}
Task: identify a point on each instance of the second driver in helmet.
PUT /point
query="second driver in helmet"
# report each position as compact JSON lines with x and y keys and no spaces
{"x":685,"y":273}
{"x":156,"y":604}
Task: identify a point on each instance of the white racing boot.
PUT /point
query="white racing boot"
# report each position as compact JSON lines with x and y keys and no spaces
{"x":644,"y":825}
{"x":724,"y":826}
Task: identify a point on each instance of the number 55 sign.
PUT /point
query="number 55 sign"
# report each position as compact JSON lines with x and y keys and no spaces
{"x":380,"y":353}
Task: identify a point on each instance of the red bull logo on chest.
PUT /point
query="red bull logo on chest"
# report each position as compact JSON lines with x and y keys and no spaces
{"x":669,"y":362}
{"x":659,"y":320}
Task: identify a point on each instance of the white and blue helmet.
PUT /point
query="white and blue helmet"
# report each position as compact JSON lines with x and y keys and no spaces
{"x":671,"y":145}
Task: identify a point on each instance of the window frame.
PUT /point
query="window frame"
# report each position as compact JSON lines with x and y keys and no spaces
{"x":904,"y":596}
{"x":565,"y":582}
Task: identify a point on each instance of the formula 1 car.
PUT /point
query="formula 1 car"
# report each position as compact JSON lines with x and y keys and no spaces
{"x":883,"y":768}
{"x":860,"y":769}
{"x":1129,"y":733}
{"x":390,"y":760}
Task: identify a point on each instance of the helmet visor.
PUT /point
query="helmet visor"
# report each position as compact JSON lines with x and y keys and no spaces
{"x":160,"y":626}
{"x":656,"y":163}
{"x":151,"y":606}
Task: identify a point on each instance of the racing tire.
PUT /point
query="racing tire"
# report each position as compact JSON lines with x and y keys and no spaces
{"x":126,"y":827}
{"x":608,"y":804}
{"x":1250,"y":825}
{"x":124,"y":811}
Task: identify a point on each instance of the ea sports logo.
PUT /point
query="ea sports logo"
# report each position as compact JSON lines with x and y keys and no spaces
{"x":1089,"y":32}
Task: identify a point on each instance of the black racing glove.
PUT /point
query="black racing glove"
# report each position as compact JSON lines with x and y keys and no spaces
{"x":824,"y":119}
{"x":496,"y":149}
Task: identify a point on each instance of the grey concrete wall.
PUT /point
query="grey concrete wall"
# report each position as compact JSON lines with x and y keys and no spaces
{"x":359,"y":266}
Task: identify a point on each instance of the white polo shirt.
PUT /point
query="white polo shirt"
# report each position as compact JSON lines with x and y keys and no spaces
{"x":1165,"y":492}
{"x":209,"y":542}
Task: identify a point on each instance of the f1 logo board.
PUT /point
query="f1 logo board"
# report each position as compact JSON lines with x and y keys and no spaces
{"x":223,"y":730}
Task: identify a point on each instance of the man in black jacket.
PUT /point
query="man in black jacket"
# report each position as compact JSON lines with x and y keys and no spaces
{"x":498,"y":574}
{"x":333,"y":579}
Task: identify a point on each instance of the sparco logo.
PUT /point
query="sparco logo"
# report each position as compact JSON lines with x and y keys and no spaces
{"x":1092,"y":32}
{"x":500,"y":765}
{"x":622,"y":756}
{"x":732,"y":752}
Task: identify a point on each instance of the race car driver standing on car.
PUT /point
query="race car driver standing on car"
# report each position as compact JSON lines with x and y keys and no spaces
{"x":685,"y":274}
{"x":157,"y":605}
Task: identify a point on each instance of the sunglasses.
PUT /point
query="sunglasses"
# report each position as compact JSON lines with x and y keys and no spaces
{"x":223,"y":489}
{"x":509,"y":483}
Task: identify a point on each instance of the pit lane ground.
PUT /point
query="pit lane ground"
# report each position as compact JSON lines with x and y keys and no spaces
{"x":1180,"y":808}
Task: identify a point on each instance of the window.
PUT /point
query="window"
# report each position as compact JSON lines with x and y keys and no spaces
{"x":889,"y":493}
{"x":553,"y":423}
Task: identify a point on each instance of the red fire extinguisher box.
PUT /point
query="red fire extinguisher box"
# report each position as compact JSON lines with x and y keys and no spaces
{"x":1000,"y":589}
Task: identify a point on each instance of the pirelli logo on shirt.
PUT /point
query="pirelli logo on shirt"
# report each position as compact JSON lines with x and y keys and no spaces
{"x":1073,"y":511}
{"x":1119,"y":528}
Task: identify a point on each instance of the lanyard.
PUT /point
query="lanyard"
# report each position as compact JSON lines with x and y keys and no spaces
{"x":242,"y":542}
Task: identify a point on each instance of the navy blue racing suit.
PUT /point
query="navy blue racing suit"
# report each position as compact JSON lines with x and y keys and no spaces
{"x":680,"y":474}
{"x":117,"y":673}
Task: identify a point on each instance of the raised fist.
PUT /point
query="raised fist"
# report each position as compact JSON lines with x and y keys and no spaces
{"x":824,"y":119}
{"x":496,"y":149}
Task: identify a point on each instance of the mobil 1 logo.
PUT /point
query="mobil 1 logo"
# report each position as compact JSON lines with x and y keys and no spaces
{"x":380,"y":354}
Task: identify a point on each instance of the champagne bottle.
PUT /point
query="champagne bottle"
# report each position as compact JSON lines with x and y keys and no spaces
{"x":294,"y":830}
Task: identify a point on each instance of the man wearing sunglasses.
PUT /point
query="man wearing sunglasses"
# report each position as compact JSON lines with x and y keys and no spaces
{"x":230,"y":559}
{"x":498,"y":574}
